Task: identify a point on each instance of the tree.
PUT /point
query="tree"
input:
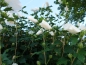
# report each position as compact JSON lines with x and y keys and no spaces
{"x":76,"y":9}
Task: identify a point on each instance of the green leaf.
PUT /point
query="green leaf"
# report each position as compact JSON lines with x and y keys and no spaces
{"x":22,"y":60}
{"x":12,"y":39}
{"x":5,"y":58}
{"x":37,"y":52}
{"x":62,"y":61}
{"x":8,"y":9}
{"x":81,"y":55}
{"x":64,"y":1}
{"x":73,"y":40}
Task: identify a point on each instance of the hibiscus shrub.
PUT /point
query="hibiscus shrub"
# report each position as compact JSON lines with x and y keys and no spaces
{"x":39,"y":40}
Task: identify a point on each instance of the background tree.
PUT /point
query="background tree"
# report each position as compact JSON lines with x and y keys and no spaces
{"x":76,"y":9}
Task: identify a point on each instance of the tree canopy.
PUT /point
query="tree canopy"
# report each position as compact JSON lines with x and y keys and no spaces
{"x":76,"y":9}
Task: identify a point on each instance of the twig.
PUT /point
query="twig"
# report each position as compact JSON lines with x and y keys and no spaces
{"x":63,"y":44}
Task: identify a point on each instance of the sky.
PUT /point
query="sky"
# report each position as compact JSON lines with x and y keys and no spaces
{"x":36,"y":3}
{"x":30,"y":4}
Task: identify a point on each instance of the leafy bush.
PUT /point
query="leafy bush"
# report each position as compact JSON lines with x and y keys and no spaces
{"x":21,"y":44}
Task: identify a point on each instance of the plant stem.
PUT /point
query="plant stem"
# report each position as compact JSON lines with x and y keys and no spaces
{"x":74,"y":57}
{"x":44,"y":50}
{"x":63,"y":44}
{"x":0,"y":56}
{"x":45,"y":57}
{"x":72,"y":61}
{"x":0,"y":42}
{"x":16,"y":41}
{"x":48,"y":61}
{"x":53,"y":40}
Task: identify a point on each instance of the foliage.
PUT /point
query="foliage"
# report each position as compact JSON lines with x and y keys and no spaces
{"x":77,"y":9}
{"x":19,"y":46}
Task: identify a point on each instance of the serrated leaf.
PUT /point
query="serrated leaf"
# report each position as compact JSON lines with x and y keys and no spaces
{"x":73,"y":40}
{"x":81,"y":55}
{"x":62,"y":61}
